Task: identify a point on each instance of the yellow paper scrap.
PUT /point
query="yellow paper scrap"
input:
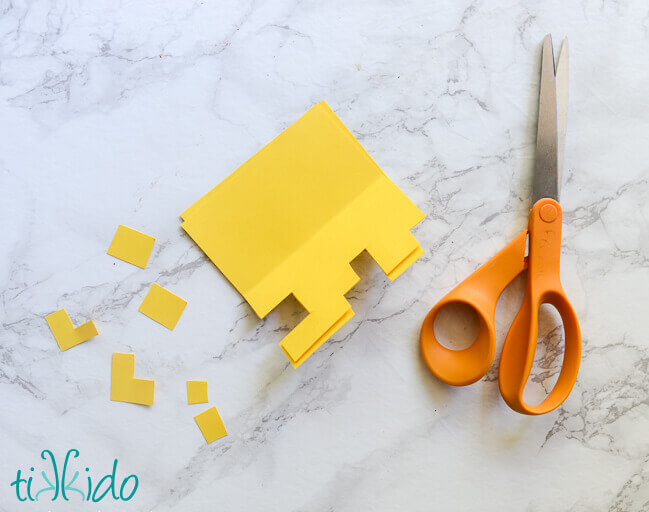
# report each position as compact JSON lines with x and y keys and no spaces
{"x":211,"y":425}
{"x":124,"y":387}
{"x":163,"y":306}
{"x":197,"y":392}
{"x":131,"y":246}
{"x":65,"y":333}
{"x":291,"y":218}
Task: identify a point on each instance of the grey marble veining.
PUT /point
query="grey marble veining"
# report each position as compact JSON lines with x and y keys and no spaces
{"x":128,"y":113}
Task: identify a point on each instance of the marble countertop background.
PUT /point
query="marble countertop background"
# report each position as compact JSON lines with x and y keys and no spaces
{"x":127,"y":113}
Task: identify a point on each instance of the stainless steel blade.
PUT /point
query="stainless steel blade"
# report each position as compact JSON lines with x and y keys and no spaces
{"x":562,"y":82}
{"x":546,"y":183}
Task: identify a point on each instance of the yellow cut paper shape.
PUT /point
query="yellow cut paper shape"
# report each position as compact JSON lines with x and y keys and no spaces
{"x":65,"y":333}
{"x":131,"y":246}
{"x":162,"y":306}
{"x":291,"y":218}
{"x":124,"y":387}
{"x":211,"y":424}
{"x":197,"y":392}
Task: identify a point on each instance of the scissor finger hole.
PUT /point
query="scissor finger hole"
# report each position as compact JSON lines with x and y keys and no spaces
{"x":548,"y":357}
{"x":456,"y":325}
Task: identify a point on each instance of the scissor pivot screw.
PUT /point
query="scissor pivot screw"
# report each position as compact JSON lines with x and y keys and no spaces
{"x":548,"y":213}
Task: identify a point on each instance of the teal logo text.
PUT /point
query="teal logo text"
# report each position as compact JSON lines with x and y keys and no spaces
{"x":64,"y":482}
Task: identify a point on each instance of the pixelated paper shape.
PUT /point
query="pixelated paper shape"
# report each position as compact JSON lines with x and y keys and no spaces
{"x":124,"y":387}
{"x":291,"y":218}
{"x":65,"y":333}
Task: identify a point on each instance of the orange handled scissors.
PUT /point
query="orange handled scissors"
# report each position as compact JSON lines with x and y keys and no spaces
{"x":481,"y":289}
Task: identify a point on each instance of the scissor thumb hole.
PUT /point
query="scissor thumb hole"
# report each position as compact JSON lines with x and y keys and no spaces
{"x":457,"y":366}
{"x":557,"y":361}
{"x":456,"y":325}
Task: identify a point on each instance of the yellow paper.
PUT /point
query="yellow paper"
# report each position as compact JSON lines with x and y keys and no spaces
{"x":124,"y":387}
{"x":197,"y":392}
{"x":66,"y":334}
{"x":291,"y":219}
{"x":131,"y":246}
{"x":163,"y":306}
{"x":211,"y":425}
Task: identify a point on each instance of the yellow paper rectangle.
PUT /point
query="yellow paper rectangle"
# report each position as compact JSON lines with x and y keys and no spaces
{"x":291,"y":218}
{"x":163,"y":306}
{"x":197,"y":392}
{"x":131,"y":246}
{"x":211,"y":424}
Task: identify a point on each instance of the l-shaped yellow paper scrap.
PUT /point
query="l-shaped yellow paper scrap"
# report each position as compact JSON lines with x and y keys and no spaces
{"x":65,"y":333}
{"x":291,"y":218}
{"x":131,"y":246}
{"x":124,"y":387}
{"x":197,"y":392}
{"x":211,"y":424}
{"x":162,"y":306}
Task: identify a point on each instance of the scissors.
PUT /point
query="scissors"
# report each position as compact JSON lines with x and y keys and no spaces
{"x":480,"y":291}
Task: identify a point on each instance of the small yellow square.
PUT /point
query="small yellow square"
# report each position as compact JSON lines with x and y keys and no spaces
{"x":211,"y":425}
{"x":162,"y":306}
{"x":197,"y":392}
{"x":131,"y":246}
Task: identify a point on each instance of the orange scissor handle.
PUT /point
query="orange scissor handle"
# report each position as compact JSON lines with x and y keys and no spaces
{"x":543,"y":287}
{"x":480,"y":291}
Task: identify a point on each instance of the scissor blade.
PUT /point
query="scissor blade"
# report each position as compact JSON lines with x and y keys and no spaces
{"x":562,"y":106}
{"x":546,"y":182}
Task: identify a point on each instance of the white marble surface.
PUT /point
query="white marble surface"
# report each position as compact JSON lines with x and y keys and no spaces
{"x":128,"y":113}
